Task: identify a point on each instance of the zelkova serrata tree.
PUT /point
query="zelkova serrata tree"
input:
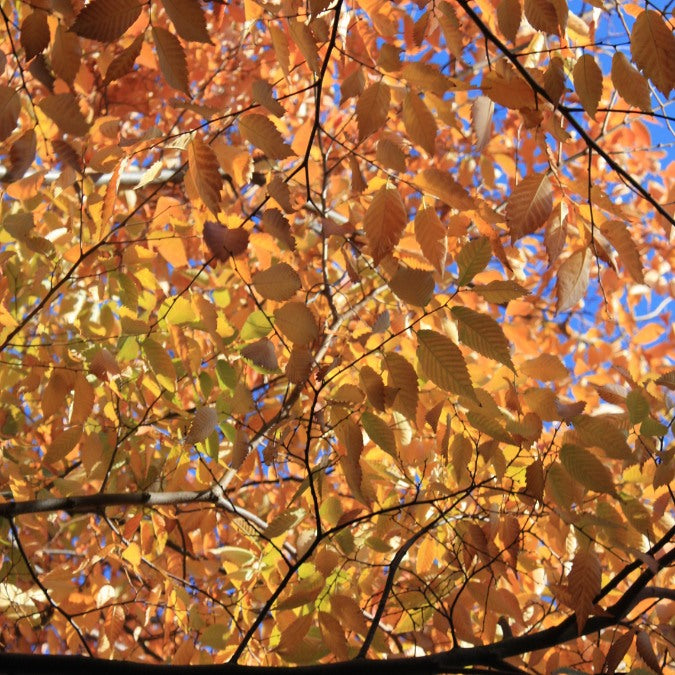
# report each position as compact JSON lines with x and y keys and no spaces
{"x":337,"y":330}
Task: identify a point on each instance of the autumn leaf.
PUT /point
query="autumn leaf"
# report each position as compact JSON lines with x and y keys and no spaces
{"x":188,"y":19}
{"x":278,"y":282}
{"x":653,"y":48}
{"x":34,"y":33}
{"x":573,"y":278}
{"x":419,"y":122}
{"x":372,"y":109}
{"x":384,"y":222}
{"x":106,"y":20}
{"x":202,"y":425}
{"x":482,"y":333}
{"x":204,"y":170}
{"x":587,"y":78}
{"x":261,"y":132}
{"x":584,"y":583}
{"x":172,"y":59}
{"x":529,"y":205}
{"x":629,"y":82}
{"x":123,"y":63}
{"x":10,"y":107}
{"x":296,"y":321}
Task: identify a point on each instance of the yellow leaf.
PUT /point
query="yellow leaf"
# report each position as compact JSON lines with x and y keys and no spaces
{"x":188,"y":19}
{"x":132,"y":554}
{"x":585,"y":468}
{"x":652,"y":44}
{"x":601,"y":433}
{"x":630,"y":84}
{"x":545,"y":367}
{"x":204,"y":171}
{"x":296,"y":321}
{"x":419,"y":123}
{"x":172,"y":59}
{"x":426,"y":554}
{"x":500,"y":292}
{"x":584,"y":583}
{"x":161,"y":363}
{"x":372,"y":109}
{"x":83,"y":400}
{"x":260,"y":131}
{"x":442,"y":362}
{"x":384,"y":222}
{"x":482,"y":333}
{"x":106,"y":20}
{"x":587,"y":78}
{"x":431,"y":237}
{"x":573,"y":278}
{"x":529,"y":205}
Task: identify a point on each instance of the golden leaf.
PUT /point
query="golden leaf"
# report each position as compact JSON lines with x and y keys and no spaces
{"x":384,"y":222}
{"x":529,"y":205}
{"x":573,"y":278}
{"x":204,"y":171}
{"x":652,"y":44}
{"x":482,"y":333}
{"x":172,"y":59}
{"x":260,"y":131}
{"x":372,"y":109}
{"x":278,"y":282}
{"x":419,"y":123}
{"x":587,"y":78}
{"x":296,"y":321}
{"x":630,"y":84}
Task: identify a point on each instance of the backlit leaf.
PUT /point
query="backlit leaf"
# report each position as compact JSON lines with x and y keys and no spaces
{"x":123,"y":63}
{"x":573,"y":278}
{"x":296,"y":321}
{"x":482,"y":333}
{"x":509,"y":16}
{"x":620,"y":238}
{"x":372,"y":109}
{"x":402,"y":376}
{"x":499,"y":292}
{"x":542,"y":15}
{"x":63,"y":109}
{"x":278,"y":282}
{"x":431,"y":237}
{"x":529,"y":205}
{"x":224,"y":242}
{"x":584,"y":583}
{"x":262,"y":355}
{"x":22,"y":154}
{"x":379,"y":432}
{"x":203,"y":424}
{"x":10,"y":107}
{"x":260,"y":131}
{"x":66,"y":54}
{"x":188,"y":19}
{"x":172,"y":59}
{"x":442,"y":362}
{"x":63,"y":443}
{"x":373,"y":385}
{"x":629,"y":82}
{"x":204,"y":171}
{"x":106,"y":20}
{"x":586,"y":469}
{"x":587,"y":78}
{"x":652,"y":44}
{"x":161,"y":363}
{"x":441,"y":184}
{"x":416,"y":287}
{"x":384,"y":222}
{"x":481,"y":119}
{"x":545,"y":367}
{"x":472,"y":259}
{"x":34,"y":33}
{"x":419,"y":123}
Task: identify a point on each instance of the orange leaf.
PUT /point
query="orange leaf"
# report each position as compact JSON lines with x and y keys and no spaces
{"x":652,"y":44}
{"x":529,"y":205}
{"x":584,"y":583}
{"x":260,"y":131}
{"x":372,"y":109}
{"x":296,"y":321}
{"x":587,"y":78}
{"x":10,"y":107}
{"x":34,"y":33}
{"x":124,"y":61}
{"x":384,"y":222}
{"x":419,"y":123}
{"x":629,"y":83}
{"x":63,"y":109}
{"x":204,"y":170}
{"x":573,"y":278}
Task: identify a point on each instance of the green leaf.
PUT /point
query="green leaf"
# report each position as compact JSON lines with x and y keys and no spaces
{"x":256,"y":326}
{"x":442,"y":363}
{"x":482,"y":333}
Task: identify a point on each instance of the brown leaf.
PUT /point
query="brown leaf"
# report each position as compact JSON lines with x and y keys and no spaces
{"x":481,"y":118}
{"x":278,"y":282}
{"x":630,"y":84}
{"x":260,"y":131}
{"x":296,"y":321}
{"x":172,"y":59}
{"x":66,"y":54}
{"x":10,"y":108}
{"x":123,"y":63}
{"x":431,"y":237}
{"x":63,"y":109}
{"x":584,"y":583}
{"x":419,"y":123}
{"x":106,"y":20}
{"x":646,"y":651}
{"x":224,"y":242}
{"x":34,"y":33}
{"x":188,"y":19}
{"x":509,"y":17}
{"x":22,"y":154}
{"x":262,"y":355}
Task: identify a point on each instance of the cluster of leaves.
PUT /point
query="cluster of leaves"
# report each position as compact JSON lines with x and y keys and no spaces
{"x":337,"y":329}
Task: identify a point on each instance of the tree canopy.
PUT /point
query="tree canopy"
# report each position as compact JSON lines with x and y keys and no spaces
{"x":336,"y":330}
